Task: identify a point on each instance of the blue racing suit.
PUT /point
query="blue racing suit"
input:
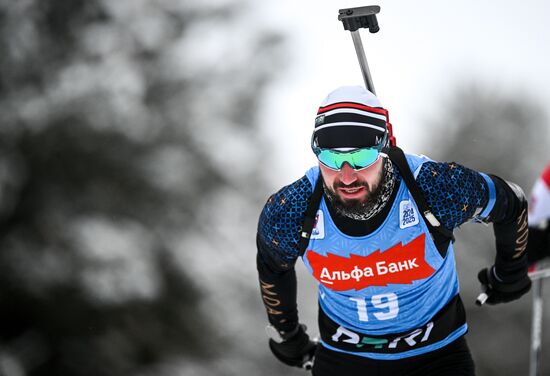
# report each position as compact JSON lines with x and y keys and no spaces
{"x":391,"y":292}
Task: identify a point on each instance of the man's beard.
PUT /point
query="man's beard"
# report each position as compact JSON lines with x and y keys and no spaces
{"x":372,"y":203}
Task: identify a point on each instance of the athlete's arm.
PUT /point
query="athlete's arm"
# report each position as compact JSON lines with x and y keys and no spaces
{"x":278,"y":288}
{"x":454,"y":193}
{"x":277,"y":243}
{"x":509,"y":217}
{"x":458,"y":194}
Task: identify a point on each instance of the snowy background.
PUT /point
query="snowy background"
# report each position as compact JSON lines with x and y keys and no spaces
{"x":139,"y":140}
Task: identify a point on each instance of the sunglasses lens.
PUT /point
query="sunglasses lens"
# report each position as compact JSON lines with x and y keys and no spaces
{"x":365,"y":157}
{"x":357,"y":159}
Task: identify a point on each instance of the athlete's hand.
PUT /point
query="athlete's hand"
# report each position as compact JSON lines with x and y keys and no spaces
{"x":295,"y":351}
{"x":499,"y":291}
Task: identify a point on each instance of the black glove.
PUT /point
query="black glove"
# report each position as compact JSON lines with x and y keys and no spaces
{"x":499,"y":291}
{"x":294,"y":351}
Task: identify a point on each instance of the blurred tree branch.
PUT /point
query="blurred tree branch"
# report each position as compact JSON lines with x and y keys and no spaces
{"x":116,"y":132}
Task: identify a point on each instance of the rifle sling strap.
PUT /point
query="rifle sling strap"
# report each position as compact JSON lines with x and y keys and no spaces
{"x":398,"y":158}
{"x":311,"y":212}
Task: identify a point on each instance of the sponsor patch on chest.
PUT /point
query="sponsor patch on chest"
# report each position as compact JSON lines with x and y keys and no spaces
{"x":318,"y":231}
{"x":408,"y":215}
{"x":401,"y":264}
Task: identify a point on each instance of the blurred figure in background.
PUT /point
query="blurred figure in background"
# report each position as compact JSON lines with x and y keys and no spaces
{"x":538,"y":246}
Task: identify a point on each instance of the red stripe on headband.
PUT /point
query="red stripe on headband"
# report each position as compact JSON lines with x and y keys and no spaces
{"x":380,"y":111}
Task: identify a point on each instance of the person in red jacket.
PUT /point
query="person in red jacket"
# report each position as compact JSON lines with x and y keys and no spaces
{"x":538,"y":246}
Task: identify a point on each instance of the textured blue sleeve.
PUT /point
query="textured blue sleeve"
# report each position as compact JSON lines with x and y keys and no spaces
{"x":455,"y":193}
{"x":281,"y":221}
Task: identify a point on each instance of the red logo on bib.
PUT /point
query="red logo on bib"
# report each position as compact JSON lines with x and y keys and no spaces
{"x":401,"y":264}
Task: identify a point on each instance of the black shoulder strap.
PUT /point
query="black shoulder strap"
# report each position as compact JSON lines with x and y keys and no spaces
{"x":311,"y":212}
{"x":398,"y":158}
